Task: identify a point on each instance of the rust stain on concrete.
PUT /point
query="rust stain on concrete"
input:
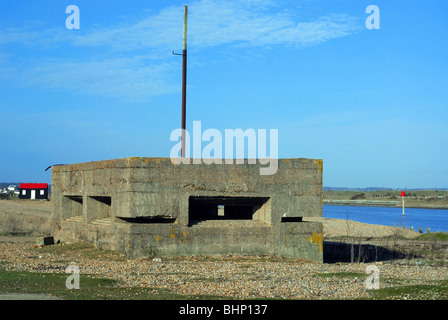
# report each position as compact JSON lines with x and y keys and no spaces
{"x":316,"y":238}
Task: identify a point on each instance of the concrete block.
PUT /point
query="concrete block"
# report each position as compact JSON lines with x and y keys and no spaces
{"x":44,"y":241}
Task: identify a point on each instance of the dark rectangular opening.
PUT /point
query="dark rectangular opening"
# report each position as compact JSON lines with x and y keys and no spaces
{"x":98,"y":207}
{"x":75,"y":198}
{"x":148,"y":220}
{"x":71,"y":206}
{"x":104,"y":200}
{"x":227,"y":208}
{"x":291,"y":219}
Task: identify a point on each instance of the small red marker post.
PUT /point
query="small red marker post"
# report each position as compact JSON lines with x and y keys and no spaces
{"x":403,"y":195}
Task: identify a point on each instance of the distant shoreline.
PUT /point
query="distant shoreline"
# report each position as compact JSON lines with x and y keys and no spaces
{"x":421,"y":199}
{"x":379,"y":203}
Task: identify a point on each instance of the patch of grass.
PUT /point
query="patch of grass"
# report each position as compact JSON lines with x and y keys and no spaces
{"x":90,"y":288}
{"x":53,"y":284}
{"x":209,"y":280}
{"x":342,"y":274}
{"x":434,"y":236}
{"x":436,"y":291}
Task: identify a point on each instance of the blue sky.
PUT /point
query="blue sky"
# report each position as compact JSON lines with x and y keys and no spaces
{"x":372,"y":103}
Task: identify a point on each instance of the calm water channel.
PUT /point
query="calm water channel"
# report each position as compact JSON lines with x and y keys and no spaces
{"x":435,"y":219}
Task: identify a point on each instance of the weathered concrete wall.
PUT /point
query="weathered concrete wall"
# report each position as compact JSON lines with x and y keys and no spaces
{"x":292,"y":240}
{"x":140,"y":206}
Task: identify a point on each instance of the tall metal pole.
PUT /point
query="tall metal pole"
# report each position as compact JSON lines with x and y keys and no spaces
{"x":184,"y":82}
{"x":403,"y":195}
{"x":402,"y":200}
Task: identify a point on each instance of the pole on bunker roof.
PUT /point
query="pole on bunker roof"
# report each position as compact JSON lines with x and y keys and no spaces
{"x":184,"y":81}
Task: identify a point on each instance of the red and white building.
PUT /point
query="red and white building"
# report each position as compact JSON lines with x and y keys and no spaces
{"x":33,"y":191}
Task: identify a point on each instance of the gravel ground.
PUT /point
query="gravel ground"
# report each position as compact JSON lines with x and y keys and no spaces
{"x":348,"y":228}
{"x":237,"y":277}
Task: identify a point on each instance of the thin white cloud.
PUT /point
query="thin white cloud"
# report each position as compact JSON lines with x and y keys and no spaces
{"x":113,"y":77}
{"x":217,"y":24}
{"x":116,"y":68}
{"x":213,"y":23}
